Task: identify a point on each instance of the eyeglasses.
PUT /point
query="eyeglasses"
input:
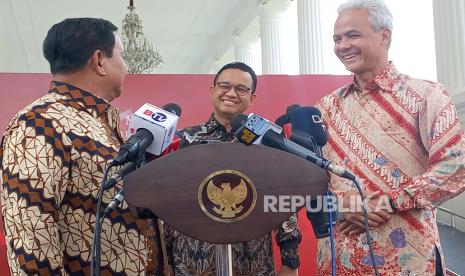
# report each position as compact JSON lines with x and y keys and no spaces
{"x":240,"y":89}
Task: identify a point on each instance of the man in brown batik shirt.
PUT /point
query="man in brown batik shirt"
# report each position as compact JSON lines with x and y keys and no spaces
{"x":53,"y":156}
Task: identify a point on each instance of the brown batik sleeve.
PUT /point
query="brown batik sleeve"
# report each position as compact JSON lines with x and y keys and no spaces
{"x":35,"y":165}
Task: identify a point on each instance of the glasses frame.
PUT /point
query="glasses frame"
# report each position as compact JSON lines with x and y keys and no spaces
{"x":236,"y":87}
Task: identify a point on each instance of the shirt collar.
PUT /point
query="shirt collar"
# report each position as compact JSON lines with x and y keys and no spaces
{"x":386,"y":80}
{"x":83,"y":99}
{"x":213,"y":124}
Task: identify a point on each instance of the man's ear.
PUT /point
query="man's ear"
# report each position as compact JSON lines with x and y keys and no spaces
{"x":252,"y":98}
{"x":386,"y":36}
{"x":97,"y":62}
{"x":212,"y":90}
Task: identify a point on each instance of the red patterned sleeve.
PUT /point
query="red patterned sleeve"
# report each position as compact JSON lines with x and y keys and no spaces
{"x":443,"y":139}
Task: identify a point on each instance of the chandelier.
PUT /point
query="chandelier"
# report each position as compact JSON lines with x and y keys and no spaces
{"x":139,"y":53}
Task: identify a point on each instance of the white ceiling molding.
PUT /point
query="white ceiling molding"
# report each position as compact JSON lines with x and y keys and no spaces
{"x":189,"y":34}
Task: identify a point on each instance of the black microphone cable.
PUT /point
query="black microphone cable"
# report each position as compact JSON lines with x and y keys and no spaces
{"x":95,"y":249}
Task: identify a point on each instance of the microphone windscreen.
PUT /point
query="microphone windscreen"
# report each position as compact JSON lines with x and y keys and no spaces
{"x":237,"y":122}
{"x":285,"y":118}
{"x":173,"y":108}
{"x":308,"y":119}
{"x":292,"y":107}
{"x":282,"y":120}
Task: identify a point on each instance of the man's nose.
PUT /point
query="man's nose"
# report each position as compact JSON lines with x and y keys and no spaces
{"x":231,"y":92}
{"x":343,"y":44}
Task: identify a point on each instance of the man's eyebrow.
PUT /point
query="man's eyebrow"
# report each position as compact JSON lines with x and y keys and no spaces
{"x":351,"y":31}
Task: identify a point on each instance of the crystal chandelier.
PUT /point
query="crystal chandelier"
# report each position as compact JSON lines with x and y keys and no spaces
{"x":140,"y":56}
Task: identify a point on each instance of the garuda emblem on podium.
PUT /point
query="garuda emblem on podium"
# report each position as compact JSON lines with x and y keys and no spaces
{"x":227,"y":196}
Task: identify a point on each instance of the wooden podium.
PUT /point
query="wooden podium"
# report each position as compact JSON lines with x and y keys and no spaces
{"x":218,"y":192}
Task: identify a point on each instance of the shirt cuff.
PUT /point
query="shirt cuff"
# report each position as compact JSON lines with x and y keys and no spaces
{"x":401,"y":200}
{"x":290,"y":254}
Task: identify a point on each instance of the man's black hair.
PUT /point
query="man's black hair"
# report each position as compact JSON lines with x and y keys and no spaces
{"x":70,"y":43}
{"x":241,"y":66}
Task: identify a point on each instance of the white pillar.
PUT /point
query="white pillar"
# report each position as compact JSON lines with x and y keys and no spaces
{"x":449,"y":31}
{"x":310,"y":37}
{"x":271,"y":36}
{"x":217,"y":65}
{"x":243,"y":50}
{"x":449,"y":24}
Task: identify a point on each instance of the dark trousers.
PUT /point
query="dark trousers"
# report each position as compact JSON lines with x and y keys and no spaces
{"x":438,"y":264}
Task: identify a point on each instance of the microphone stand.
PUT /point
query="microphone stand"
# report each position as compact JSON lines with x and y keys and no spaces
{"x":96,"y":246}
{"x":223,"y":260}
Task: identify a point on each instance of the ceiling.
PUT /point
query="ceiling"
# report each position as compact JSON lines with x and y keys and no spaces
{"x":189,"y":34}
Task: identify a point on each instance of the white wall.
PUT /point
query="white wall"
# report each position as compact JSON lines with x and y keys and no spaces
{"x":456,"y":205}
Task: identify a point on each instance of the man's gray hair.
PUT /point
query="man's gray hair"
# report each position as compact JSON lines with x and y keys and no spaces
{"x":378,"y":13}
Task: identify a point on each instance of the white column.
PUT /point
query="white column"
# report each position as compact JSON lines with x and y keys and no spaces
{"x":449,"y":31}
{"x":449,"y":24}
{"x":243,"y":50}
{"x":217,"y":65}
{"x":271,"y":34}
{"x":310,"y":41}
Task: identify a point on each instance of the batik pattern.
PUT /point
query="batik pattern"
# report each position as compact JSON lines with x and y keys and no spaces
{"x":54,"y":154}
{"x":400,"y":136}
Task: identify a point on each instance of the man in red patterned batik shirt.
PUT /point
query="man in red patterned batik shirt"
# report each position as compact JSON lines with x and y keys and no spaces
{"x":401,"y":137}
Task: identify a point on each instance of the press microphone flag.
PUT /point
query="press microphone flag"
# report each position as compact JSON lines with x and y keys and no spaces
{"x":161,"y":123}
{"x":252,"y":131}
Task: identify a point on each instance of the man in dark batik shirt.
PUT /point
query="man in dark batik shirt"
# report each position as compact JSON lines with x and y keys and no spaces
{"x":233,"y":91}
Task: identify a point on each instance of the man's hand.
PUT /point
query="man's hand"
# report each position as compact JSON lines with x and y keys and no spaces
{"x":379,"y":211}
{"x":347,"y":228}
{"x":287,"y":271}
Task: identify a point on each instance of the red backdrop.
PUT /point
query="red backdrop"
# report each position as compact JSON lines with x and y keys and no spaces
{"x":274,"y":94}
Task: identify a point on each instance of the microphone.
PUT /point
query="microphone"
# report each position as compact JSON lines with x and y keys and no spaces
{"x":319,"y":220}
{"x":120,"y":174}
{"x":285,"y":118}
{"x":308,"y":120}
{"x":238,"y":121}
{"x":307,"y":129}
{"x":152,"y":130}
{"x":275,"y":140}
{"x":134,"y":146}
{"x":128,"y":168}
{"x":155,"y":130}
{"x":251,"y":132}
{"x":173,"y":108}
{"x":116,"y":200}
{"x":253,"y":129}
